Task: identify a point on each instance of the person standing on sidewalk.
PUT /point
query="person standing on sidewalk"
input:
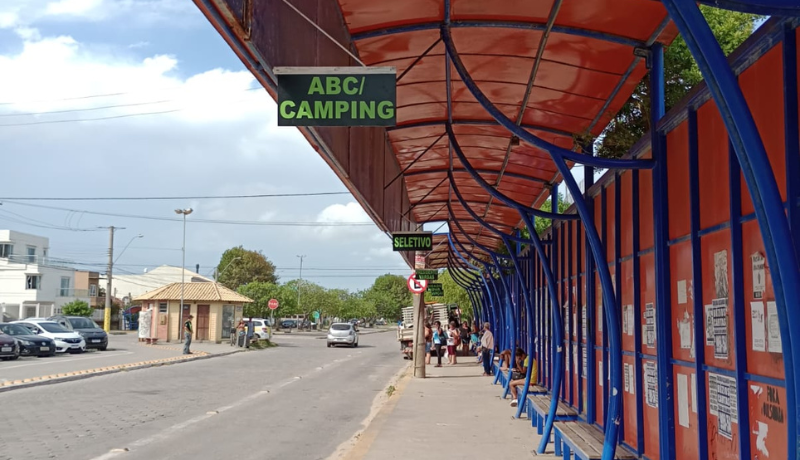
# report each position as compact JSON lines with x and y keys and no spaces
{"x":439,"y":339}
{"x":187,"y":332}
{"x":428,"y":338}
{"x":487,"y":345}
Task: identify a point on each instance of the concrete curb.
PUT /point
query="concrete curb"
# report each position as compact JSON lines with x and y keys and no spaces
{"x":79,"y":375}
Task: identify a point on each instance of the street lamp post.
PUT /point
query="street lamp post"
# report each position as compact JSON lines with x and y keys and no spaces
{"x":217,"y":274}
{"x":184,"y":212}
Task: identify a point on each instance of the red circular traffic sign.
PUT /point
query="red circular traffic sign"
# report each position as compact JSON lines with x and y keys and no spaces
{"x":417,"y":286}
{"x":273,"y":304}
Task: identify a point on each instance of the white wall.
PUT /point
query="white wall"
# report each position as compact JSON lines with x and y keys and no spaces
{"x":14,"y":271}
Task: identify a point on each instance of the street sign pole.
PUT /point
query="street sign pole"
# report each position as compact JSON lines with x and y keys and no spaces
{"x":419,"y":321}
{"x":273,"y":305}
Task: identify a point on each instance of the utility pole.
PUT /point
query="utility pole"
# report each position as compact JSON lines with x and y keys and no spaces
{"x":419,"y":322}
{"x":300,"y":282}
{"x":107,"y":311}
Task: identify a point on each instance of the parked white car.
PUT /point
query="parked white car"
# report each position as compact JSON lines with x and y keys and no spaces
{"x":66,"y":340}
{"x":261,"y":329}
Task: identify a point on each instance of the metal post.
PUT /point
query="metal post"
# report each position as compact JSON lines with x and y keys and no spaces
{"x":183,"y":278}
{"x":300,"y":281}
{"x":107,"y":311}
{"x":419,"y":336}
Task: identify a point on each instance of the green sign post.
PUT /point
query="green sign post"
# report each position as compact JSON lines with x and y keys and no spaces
{"x":430,"y":275}
{"x":435,"y":289}
{"x":336,"y":96}
{"x":412,"y":241}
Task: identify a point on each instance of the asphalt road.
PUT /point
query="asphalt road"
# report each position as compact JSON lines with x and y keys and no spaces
{"x":299,"y":400}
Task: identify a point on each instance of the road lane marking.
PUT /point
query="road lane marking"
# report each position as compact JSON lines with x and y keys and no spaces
{"x":62,"y":360}
{"x":165,"y":434}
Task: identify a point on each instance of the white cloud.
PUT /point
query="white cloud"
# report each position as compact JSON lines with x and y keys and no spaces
{"x":15,"y":13}
{"x":224,"y":140}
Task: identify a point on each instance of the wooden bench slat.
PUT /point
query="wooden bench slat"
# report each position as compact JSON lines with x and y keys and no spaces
{"x":541,"y":404}
{"x":588,"y":440}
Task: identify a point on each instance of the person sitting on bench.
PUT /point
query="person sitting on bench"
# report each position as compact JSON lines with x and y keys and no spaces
{"x":518,"y":378}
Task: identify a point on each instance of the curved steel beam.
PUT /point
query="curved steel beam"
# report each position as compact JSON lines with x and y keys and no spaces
{"x":535,"y":141}
{"x":760,"y":180}
{"x":482,"y":171}
{"x":496,"y":193}
{"x":786,"y":8}
{"x":513,"y":204}
{"x":423,"y":124}
{"x":523,"y":392}
{"x":578,"y":32}
{"x":478,"y":218}
{"x":609,"y":299}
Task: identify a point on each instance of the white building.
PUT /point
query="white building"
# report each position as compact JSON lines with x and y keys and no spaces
{"x":126,"y":286}
{"x":30,"y":285}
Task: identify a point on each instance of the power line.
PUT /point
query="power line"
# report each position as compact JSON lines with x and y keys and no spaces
{"x":88,"y":109}
{"x":205,"y":221}
{"x":145,"y":198}
{"x":101,"y":95}
{"x":110,"y":117}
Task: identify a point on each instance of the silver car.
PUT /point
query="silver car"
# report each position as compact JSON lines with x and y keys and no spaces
{"x":342,"y":334}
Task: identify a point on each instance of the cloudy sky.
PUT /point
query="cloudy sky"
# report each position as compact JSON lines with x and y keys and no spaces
{"x":142,"y":98}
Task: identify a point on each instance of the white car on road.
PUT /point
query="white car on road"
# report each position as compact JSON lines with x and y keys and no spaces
{"x":343,"y":334}
{"x":65,"y":339}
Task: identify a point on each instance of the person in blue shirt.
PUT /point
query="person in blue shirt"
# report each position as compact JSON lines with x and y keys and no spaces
{"x":439,"y":340}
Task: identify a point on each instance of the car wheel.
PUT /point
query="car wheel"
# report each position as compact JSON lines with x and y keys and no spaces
{"x":329,"y":344}
{"x":355,"y":345}
{"x":14,"y":358}
{"x":103,"y":348}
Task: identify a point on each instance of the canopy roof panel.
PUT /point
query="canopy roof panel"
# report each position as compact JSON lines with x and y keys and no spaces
{"x":586,"y":71}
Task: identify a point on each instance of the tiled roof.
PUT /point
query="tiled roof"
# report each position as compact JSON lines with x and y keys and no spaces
{"x":195,"y":292}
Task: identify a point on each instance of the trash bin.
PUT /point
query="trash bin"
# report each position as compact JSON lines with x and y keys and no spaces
{"x":241,"y":342}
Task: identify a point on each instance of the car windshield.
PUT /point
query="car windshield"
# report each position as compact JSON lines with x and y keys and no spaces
{"x":53,"y":327}
{"x":14,"y":329}
{"x":83,"y":323}
{"x":341,"y":327}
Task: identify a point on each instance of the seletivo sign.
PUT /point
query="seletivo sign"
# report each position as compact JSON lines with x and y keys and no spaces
{"x":412,"y":241}
{"x":336,"y":96}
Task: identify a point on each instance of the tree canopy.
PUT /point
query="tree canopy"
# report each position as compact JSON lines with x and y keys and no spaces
{"x":239,"y":266}
{"x":389,"y":294}
{"x":261,"y":292}
{"x":681,"y":74}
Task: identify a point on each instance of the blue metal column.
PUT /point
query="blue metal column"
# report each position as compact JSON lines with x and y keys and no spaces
{"x":781,"y":250}
{"x":591,"y":294}
{"x":697,"y":286}
{"x":666,"y":418}
{"x":637,"y":313}
{"x":737,"y":303}
{"x":791,"y":123}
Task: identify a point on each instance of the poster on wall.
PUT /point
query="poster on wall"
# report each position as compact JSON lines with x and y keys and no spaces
{"x":585,"y":363}
{"x":627,"y":376}
{"x":651,"y":384}
{"x":685,"y":330}
{"x":599,"y":317}
{"x":719,"y":314}
{"x":723,"y":402}
{"x":721,"y":274}
{"x":774,"y":344}
{"x":584,"y":323}
{"x":632,"y":378}
{"x":650,"y":325}
{"x":631,"y":318}
{"x":682,"y":292}
{"x":759,"y":275}
{"x":683,"y":400}
{"x":600,"y":372}
{"x":758,"y":326}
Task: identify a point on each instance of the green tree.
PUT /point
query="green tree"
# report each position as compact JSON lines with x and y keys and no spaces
{"x":239,"y":266}
{"x":389,"y":294}
{"x":261,"y":293}
{"x":77,"y":308}
{"x":681,"y":74}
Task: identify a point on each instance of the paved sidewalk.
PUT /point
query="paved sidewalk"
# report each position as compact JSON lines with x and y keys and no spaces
{"x":454,"y":412}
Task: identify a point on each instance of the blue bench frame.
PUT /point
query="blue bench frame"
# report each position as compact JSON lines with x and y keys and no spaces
{"x":538,"y":417}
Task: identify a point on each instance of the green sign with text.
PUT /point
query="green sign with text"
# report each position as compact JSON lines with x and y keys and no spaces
{"x":412,"y":241}
{"x":336,"y":96}
{"x":429,"y":275}
{"x":435,"y":289}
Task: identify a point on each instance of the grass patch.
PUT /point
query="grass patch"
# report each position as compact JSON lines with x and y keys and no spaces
{"x":390,"y":391}
{"x":262,"y":344}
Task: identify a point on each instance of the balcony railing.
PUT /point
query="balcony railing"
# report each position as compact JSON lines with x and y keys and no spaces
{"x":35,"y":260}
{"x":73,"y":292}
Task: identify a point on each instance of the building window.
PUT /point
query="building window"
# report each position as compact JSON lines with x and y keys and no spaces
{"x":162,"y":308}
{"x":64,"y":286}
{"x":33,"y":282}
{"x":31,"y":254}
{"x":92,"y":290}
{"x":6,"y":250}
